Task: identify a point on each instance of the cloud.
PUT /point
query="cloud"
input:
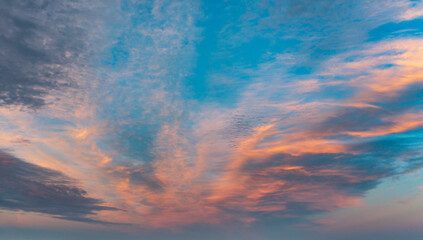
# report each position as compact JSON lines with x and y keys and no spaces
{"x":288,"y":146}
{"x":139,"y":175}
{"x":414,"y":11}
{"x":42,"y":42}
{"x":293,"y":186}
{"x":307,"y":155}
{"x":28,"y":187}
{"x":300,"y":126}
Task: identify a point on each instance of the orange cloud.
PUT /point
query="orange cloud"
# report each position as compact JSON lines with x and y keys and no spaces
{"x":287,"y":163}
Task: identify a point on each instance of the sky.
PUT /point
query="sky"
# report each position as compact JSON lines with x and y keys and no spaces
{"x":229,"y":120}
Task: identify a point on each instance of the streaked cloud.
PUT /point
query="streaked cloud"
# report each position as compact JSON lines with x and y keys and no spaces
{"x":28,"y":187}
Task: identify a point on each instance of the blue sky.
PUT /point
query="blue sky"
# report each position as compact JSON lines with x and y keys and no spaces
{"x":211,"y":119}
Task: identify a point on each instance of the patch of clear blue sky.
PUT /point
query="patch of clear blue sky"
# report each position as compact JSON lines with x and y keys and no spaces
{"x":216,"y":56}
{"x":412,"y":28}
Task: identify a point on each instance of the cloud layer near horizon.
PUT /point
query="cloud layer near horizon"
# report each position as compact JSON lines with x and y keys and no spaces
{"x":27,"y":187}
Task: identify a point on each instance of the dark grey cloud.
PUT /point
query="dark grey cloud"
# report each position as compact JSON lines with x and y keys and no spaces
{"x":343,"y":174}
{"x":354,"y":119}
{"x":140,"y":175}
{"x":349,"y":175}
{"x":364,"y":119}
{"x":28,"y":187}
{"x":38,"y":41}
{"x":147,"y":178}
